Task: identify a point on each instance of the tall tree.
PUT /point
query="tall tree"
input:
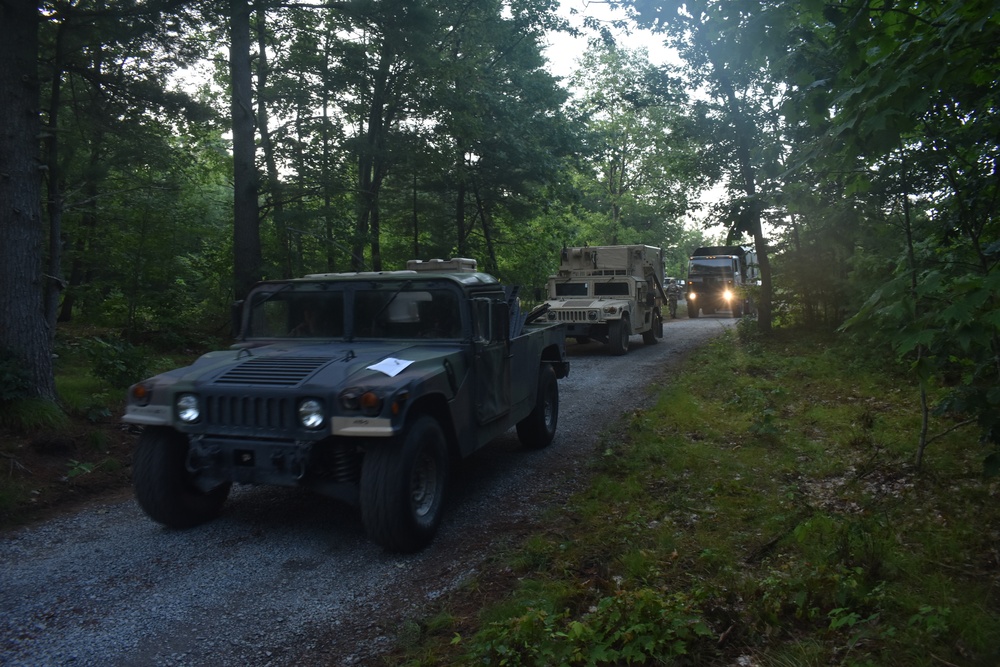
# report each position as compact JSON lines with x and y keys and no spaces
{"x":723,"y":44}
{"x":638,"y":152}
{"x":22,"y":316}
{"x":246,"y":214}
{"x":904,"y":104}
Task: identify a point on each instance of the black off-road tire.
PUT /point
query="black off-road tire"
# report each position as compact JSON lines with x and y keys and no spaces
{"x":618,"y":335}
{"x":403,"y":483}
{"x":163,"y":486}
{"x":538,"y":429}
{"x":692,"y":310}
{"x":655,"y":333}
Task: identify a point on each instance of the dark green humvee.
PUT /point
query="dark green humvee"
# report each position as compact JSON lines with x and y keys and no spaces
{"x":361,"y":386}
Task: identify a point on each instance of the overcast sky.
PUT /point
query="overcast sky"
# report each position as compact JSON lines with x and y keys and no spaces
{"x":563,"y":50}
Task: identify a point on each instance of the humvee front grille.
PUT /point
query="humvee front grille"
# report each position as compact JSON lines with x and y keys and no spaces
{"x":274,"y":372}
{"x":571,"y":315}
{"x":246,"y":411}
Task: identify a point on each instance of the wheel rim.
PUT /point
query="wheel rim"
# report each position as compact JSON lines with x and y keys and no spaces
{"x":549,"y":411}
{"x":424,"y":485}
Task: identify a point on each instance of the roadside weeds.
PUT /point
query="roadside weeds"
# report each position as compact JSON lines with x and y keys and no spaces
{"x":764,"y":511}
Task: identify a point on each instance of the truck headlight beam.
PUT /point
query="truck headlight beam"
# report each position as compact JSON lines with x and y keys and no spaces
{"x":188,"y":408}
{"x":311,"y":413}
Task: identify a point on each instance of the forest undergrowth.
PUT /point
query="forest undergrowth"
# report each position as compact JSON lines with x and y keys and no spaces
{"x":765,"y":511}
{"x":54,"y":457}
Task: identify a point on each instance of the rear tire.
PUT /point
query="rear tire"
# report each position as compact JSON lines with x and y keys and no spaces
{"x":653,"y":336}
{"x":538,"y":429}
{"x":163,"y":486}
{"x":618,"y":335}
{"x":403,"y":483}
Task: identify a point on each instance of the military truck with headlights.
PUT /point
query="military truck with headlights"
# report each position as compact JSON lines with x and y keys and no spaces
{"x":609,"y":293}
{"x":361,"y":386}
{"x":719,"y":278}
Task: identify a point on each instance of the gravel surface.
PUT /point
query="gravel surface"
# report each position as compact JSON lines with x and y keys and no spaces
{"x":288,"y":578}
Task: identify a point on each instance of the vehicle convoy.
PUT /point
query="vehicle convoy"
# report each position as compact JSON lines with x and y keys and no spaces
{"x":609,"y":293}
{"x":717,"y":280}
{"x":360,"y":386}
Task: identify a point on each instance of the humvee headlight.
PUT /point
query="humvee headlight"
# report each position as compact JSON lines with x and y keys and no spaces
{"x":591,"y":314}
{"x":188,"y":408}
{"x":358,"y":399}
{"x":311,"y":413}
{"x":551,"y":315}
{"x":727,"y":295}
{"x":691,"y":296}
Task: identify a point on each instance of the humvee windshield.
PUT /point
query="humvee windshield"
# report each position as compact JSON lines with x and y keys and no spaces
{"x":397,"y":311}
{"x":406,"y":313}
{"x":571,"y":289}
{"x":296,"y":314}
{"x":610,"y":289}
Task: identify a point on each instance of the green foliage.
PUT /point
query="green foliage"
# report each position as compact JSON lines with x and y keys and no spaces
{"x":943,"y":321}
{"x":633,"y":626}
{"x":697,"y":538}
{"x":77,"y":468}
{"x":642,"y":169}
{"x":118,"y":362}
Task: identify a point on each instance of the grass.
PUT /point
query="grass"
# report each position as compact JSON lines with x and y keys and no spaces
{"x":53,"y":455}
{"x":764,"y":511}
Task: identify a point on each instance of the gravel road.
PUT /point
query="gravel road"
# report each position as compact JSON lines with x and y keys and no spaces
{"x":287,"y":578}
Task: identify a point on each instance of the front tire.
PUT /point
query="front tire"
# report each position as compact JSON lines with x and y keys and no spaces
{"x":692,"y":309}
{"x":164,"y":487}
{"x":538,"y":429}
{"x":403,"y":483}
{"x":618,"y":335}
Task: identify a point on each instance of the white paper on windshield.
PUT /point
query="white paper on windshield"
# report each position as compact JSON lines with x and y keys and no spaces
{"x":390,"y":366}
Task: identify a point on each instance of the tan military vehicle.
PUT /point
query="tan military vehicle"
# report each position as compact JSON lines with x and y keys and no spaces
{"x":609,"y":293}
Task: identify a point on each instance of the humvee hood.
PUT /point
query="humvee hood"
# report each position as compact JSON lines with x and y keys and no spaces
{"x":296,"y":365}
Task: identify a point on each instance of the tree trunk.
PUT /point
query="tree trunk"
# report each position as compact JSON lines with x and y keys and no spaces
{"x":492,"y":266}
{"x":54,"y":283}
{"x":273,"y":178}
{"x":748,"y":183}
{"x":460,"y":219}
{"x":23,"y":329}
{"x":246,"y":215}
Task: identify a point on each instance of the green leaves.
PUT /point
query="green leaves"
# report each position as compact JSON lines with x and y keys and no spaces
{"x":630,"y":626}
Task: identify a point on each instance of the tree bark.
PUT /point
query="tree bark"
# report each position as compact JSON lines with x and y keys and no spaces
{"x":246,"y":215}
{"x":54,"y":283}
{"x":274,"y":184}
{"x":23,"y":330}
